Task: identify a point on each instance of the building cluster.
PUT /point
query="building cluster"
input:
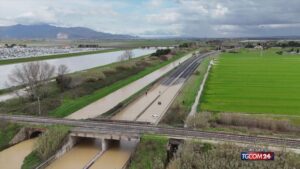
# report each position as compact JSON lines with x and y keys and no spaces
{"x":22,"y":52}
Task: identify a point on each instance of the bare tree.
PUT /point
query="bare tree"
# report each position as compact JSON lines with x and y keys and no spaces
{"x":34,"y":76}
{"x":63,"y":81}
{"x":127,"y":55}
{"x":62,"y":70}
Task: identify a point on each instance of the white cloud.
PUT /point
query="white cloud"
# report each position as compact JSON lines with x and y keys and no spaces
{"x":220,"y":11}
{"x":168,"y":16}
{"x":205,"y":18}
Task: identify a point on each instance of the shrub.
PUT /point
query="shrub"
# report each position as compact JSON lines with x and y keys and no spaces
{"x":101,"y":76}
{"x":196,"y":155}
{"x":199,"y":120}
{"x":50,"y":141}
{"x":109,"y":71}
{"x":279,"y":52}
{"x":254,"y":122}
{"x":126,"y":66}
{"x":161,"y":52}
{"x":63,"y":82}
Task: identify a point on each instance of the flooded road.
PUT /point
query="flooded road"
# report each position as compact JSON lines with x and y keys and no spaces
{"x":77,"y":63}
{"x":161,"y":105}
{"x":108,"y":102}
{"x":151,"y":106}
{"x":77,"y":157}
{"x":112,"y":159}
{"x":12,"y":158}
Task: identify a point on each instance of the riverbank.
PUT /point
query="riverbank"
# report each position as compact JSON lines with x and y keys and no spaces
{"x":40,"y":58}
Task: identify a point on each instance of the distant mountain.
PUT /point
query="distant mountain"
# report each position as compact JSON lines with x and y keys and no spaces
{"x":45,"y":31}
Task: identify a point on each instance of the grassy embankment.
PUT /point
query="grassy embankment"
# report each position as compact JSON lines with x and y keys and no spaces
{"x":7,"y":132}
{"x":39,"y":58}
{"x":180,"y":108}
{"x":250,"y":83}
{"x":69,"y":105}
{"x":151,"y":153}
{"x":46,"y":146}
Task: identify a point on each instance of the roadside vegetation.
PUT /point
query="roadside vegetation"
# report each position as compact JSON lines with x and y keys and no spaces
{"x":254,"y":82}
{"x":70,"y":92}
{"x":39,"y":58}
{"x":199,"y":155}
{"x":151,"y":153}
{"x":46,"y":146}
{"x":7,"y":132}
{"x":181,"y":106}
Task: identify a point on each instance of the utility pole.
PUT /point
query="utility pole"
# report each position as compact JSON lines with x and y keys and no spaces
{"x":39,"y":105}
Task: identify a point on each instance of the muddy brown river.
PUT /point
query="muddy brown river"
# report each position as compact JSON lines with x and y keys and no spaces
{"x":77,"y":157}
{"x":112,"y":159}
{"x":12,"y":158}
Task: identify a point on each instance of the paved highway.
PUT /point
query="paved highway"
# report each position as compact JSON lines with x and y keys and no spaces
{"x":127,"y":128}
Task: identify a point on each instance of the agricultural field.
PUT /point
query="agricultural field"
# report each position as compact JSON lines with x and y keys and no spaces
{"x":256,"y":83}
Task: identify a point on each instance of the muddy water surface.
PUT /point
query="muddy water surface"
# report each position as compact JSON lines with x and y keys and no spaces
{"x":12,"y":158}
{"x":77,"y":157}
{"x":112,"y":159}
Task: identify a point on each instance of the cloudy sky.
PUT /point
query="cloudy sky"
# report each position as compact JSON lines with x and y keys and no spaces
{"x":193,"y":18}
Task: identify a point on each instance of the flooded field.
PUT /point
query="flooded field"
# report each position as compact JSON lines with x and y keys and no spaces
{"x":12,"y":158}
{"x":112,"y":159}
{"x":77,"y":63}
{"x":108,"y":102}
{"x":78,"y":156}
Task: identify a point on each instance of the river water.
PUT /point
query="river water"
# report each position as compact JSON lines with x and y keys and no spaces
{"x":77,"y":63}
{"x":112,"y":159}
{"x":78,"y":156}
{"x":12,"y":158}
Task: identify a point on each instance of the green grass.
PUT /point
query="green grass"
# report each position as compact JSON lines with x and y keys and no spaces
{"x":31,"y":161}
{"x":69,"y":106}
{"x":7,"y":133}
{"x":38,"y":58}
{"x":251,"y":83}
{"x":151,"y":153}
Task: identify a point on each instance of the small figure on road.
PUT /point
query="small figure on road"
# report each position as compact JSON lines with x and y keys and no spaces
{"x":159,"y":103}
{"x":146,"y":92}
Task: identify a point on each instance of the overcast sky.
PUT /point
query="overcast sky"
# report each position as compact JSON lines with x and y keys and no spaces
{"x":194,"y":18}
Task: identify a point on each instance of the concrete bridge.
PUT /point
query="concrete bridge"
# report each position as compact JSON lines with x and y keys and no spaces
{"x":125,"y":130}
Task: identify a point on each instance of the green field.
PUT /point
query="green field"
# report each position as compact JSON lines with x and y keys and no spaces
{"x":249,"y":82}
